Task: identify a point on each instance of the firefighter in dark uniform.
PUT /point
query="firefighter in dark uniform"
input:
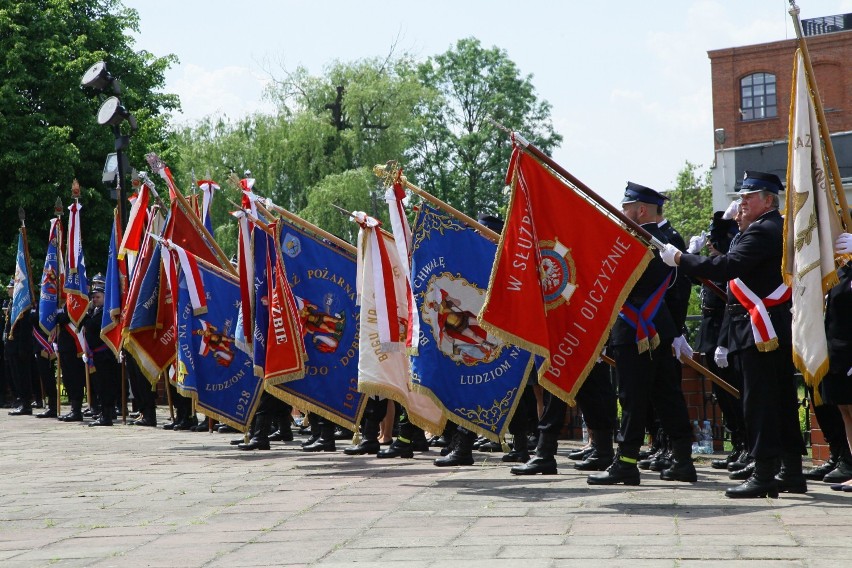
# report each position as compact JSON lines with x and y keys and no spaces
{"x":752,"y":269}
{"x":18,"y":347}
{"x":645,"y":363}
{"x":70,"y":357}
{"x":718,"y":240}
{"x":105,"y":370}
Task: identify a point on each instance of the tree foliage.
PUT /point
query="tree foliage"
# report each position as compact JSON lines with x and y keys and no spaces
{"x":49,"y":134}
{"x":458,"y":154}
{"x":690,"y":208}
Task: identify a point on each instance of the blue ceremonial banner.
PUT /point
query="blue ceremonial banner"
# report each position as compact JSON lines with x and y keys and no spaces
{"x":48,"y":300}
{"x":264,"y":246}
{"x":322,"y":277}
{"x":211,"y":369}
{"x":472,"y":375}
{"x":147,"y":302}
{"x":21,"y":298}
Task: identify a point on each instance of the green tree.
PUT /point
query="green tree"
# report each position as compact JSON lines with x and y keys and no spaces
{"x":457,"y":154}
{"x":352,"y":190}
{"x":49,"y":134}
{"x":690,"y":209}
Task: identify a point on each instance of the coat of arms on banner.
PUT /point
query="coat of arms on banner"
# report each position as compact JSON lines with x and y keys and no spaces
{"x":559,"y":273}
{"x":450,"y":305}
{"x":323,"y":325}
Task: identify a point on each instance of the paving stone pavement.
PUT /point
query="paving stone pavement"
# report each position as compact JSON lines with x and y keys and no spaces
{"x":130,"y":496}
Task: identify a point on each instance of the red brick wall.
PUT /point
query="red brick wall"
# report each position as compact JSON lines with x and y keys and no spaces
{"x":818,"y":446}
{"x":830,"y":54}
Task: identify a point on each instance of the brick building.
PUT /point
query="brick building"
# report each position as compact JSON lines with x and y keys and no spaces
{"x":751,"y":102}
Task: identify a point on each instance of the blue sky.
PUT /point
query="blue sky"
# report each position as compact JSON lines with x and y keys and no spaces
{"x":629,"y":82}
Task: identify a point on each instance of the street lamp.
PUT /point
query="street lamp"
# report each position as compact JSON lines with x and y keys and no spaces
{"x":112,"y":113}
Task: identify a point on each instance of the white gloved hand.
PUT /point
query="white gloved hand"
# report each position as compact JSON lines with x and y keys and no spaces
{"x":732,"y":210}
{"x":681,"y":348}
{"x":849,"y":372}
{"x":697,"y":243}
{"x":668,"y":254}
{"x":720,"y":356}
{"x":843,"y":244}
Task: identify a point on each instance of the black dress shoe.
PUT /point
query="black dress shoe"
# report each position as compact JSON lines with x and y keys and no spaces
{"x":545,"y":465}
{"x":729,"y":459}
{"x":281,"y":436}
{"x":581,"y":454}
{"x":420,"y":445}
{"x":753,"y":488}
{"x":101,"y":422}
{"x":743,"y":474}
{"x":365,"y":447}
{"x":185,"y":424}
{"x":397,"y":450}
{"x":225,"y":429}
{"x":312,"y":439}
{"x":150,"y":422}
{"x":680,"y":471}
{"x":254,"y":444}
{"x":618,"y":472}
{"x":490,"y":446}
{"x":169,"y":426}
{"x":49,"y":413}
{"x":72,"y":417}
{"x":841,"y":473}
{"x":454,"y":459}
{"x":516,"y":457}
{"x":25,"y":410}
{"x":795,"y":483}
{"x":662,"y":463}
{"x":321,"y":446}
{"x":819,"y":472}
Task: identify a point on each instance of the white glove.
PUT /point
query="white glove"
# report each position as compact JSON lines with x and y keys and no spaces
{"x":720,"y":356}
{"x":732,"y":210}
{"x":843,"y":244}
{"x":668,"y":254}
{"x":849,"y":372}
{"x":681,"y":348}
{"x":697,"y":243}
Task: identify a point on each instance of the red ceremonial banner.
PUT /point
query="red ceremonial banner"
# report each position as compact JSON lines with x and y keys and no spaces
{"x":562,"y":272}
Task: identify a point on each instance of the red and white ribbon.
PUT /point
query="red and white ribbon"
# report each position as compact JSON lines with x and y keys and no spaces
{"x":74,"y":244}
{"x":381,"y":275}
{"x":765,"y":338}
{"x":402,"y":238}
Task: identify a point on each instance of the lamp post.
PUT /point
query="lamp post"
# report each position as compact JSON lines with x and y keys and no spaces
{"x":112,"y":113}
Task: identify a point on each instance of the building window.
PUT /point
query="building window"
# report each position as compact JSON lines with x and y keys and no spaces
{"x":757,"y":96}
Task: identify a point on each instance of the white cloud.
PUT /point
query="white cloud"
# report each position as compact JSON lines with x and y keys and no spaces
{"x":234,"y":90}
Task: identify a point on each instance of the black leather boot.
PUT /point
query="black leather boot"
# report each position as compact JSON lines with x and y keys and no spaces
{"x":399,"y":448}
{"x":790,"y":479}
{"x":369,"y":440}
{"x":284,"y":433}
{"x":819,"y":472}
{"x":682,"y":468}
{"x":325,"y":443}
{"x":580,"y":454}
{"x":544,"y":461}
{"x":744,"y":473}
{"x":621,"y":470}
{"x":260,"y":435}
{"x":729,"y":459}
{"x":76,"y":414}
{"x":520,"y":452}
{"x":602,"y":454}
{"x":49,"y":412}
{"x":462,"y":450}
{"x":742,"y":462}
{"x":841,"y":473}
{"x":762,"y":482}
